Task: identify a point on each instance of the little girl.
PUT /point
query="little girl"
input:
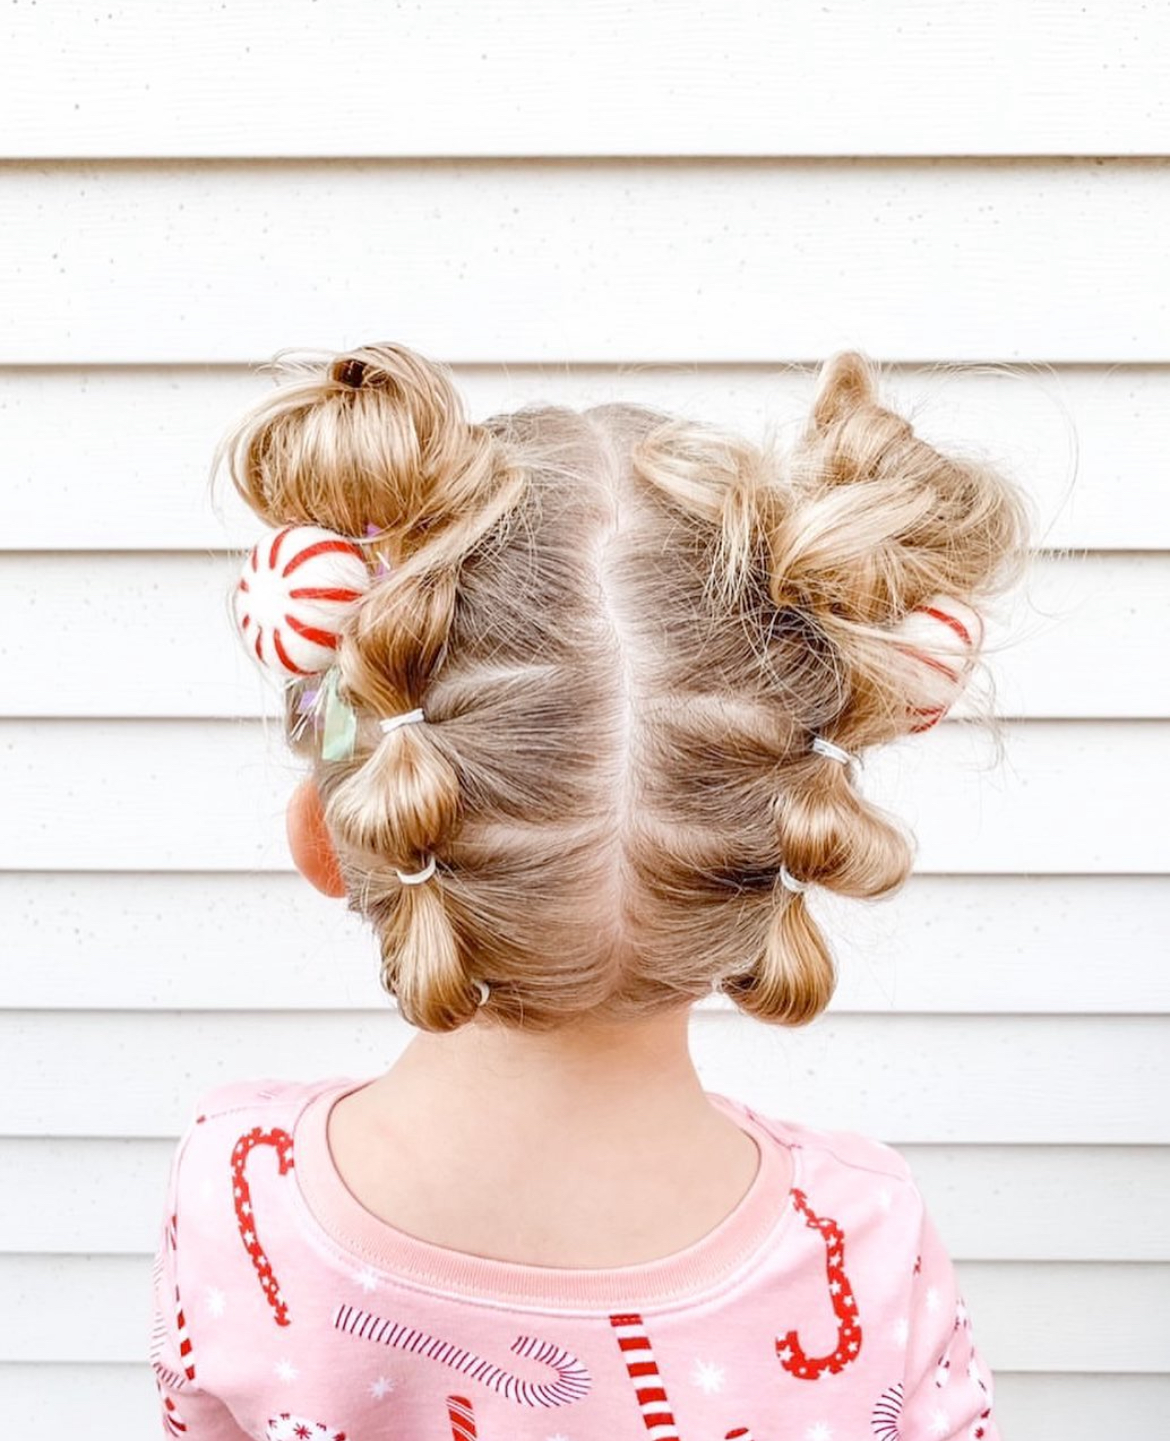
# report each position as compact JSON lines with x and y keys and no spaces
{"x":581,"y":697}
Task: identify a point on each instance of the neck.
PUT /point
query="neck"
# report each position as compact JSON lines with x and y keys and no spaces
{"x":603,"y":1080}
{"x":591,"y":1146}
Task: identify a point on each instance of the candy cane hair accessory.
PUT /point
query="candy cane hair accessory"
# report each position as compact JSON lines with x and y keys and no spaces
{"x":296,"y":588}
{"x":939,"y":642}
{"x":831,"y":751}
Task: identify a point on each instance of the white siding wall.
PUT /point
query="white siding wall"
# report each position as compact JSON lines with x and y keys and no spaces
{"x":676,"y":203}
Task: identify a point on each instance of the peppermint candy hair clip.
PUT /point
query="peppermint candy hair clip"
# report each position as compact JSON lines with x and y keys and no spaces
{"x":296,"y":588}
{"x":940,"y":640}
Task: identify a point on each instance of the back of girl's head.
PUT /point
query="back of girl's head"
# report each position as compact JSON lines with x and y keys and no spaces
{"x":625,"y":630}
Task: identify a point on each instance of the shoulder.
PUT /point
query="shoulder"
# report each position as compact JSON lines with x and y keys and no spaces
{"x":250,"y":1110}
{"x":846,"y":1160}
{"x":264,"y":1094}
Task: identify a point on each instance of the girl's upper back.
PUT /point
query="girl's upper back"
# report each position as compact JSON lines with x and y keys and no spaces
{"x":824,"y":1308}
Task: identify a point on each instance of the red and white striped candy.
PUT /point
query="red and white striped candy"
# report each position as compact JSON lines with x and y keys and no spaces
{"x":297,"y":586}
{"x":940,"y":641}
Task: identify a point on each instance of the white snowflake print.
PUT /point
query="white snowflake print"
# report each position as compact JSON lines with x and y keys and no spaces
{"x":366,"y":1279}
{"x":940,"y":1424}
{"x":707,"y":1376}
{"x":379,"y":1387}
{"x":901,"y":1330}
{"x":885,"y":1200}
{"x":560,"y":1436}
{"x":215,"y":1300}
{"x":286,"y":1370}
{"x":819,"y":1432}
{"x":932,"y":1301}
{"x":287,"y":1427}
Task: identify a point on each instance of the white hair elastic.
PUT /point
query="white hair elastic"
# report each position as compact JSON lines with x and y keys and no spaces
{"x":419,"y":876}
{"x":484,"y":991}
{"x":790,"y":883}
{"x":392,"y":722}
{"x":833,"y":752}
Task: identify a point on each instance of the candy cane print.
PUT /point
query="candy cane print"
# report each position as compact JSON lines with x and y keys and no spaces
{"x":942,"y":1370}
{"x":159,"y":1338}
{"x":245,"y":1217}
{"x":978,"y":1428}
{"x":572,"y":1383}
{"x":172,"y":1421}
{"x":740,"y":1433}
{"x":643,"y":1372}
{"x":887,"y":1409}
{"x":462,"y":1418}
{"x":789,"y":1350}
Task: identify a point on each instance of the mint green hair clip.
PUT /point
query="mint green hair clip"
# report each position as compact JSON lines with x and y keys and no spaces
{"x":339,"y":733}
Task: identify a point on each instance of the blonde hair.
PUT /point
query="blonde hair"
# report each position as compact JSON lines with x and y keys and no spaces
{"x":624,"y":628}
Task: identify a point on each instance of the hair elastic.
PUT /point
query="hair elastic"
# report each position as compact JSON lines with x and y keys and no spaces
{"x":419,"y":876}
{"x":790,"y":883}
{"x":484,"y":991}
{"x":392,"y":722}
{"x":833,"y":752}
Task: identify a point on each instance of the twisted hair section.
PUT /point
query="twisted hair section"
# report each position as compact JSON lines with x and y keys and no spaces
{"x":375,"y":444}
{"x":624,"y":629}
{"x":817,"y":555}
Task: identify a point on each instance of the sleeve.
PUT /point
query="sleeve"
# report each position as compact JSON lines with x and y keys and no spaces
{"x":186,"y":1409}
{"x":948,"y":1391}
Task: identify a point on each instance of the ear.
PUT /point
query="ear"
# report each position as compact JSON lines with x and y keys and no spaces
{"x":309,"y":840}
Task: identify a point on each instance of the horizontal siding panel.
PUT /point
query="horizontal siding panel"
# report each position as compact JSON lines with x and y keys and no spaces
{"x":590,"y":261}
{"x":506,"y":79}
{"x":1026,"y":1317}
{"x":111,"y":1401}
{"x":992,"y":1203}
{"x":910,"y":1079}
{"x":117,"y":458}
{"x":1085,"y":640}
{"x":949,"y":944}
{"x":200,"y":795}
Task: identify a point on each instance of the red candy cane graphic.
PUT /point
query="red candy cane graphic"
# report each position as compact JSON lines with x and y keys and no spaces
{"x":172,"y":1421}
{"x":245,"y":1217}
{"x":158,"y":1340}
{"x":462,"y":1418}
{"x":741,"y":1433}
{"x":572,"y":1383}
{"x":643,"y":1372}
{"x":887,"y":1409}
{"x":789,"y":1350}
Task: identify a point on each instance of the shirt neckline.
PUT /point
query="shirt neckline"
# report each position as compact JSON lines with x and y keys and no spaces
{"x":688,"y":1275}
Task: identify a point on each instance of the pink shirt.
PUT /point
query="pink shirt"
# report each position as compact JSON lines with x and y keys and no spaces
{"x":283,"y":1310}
